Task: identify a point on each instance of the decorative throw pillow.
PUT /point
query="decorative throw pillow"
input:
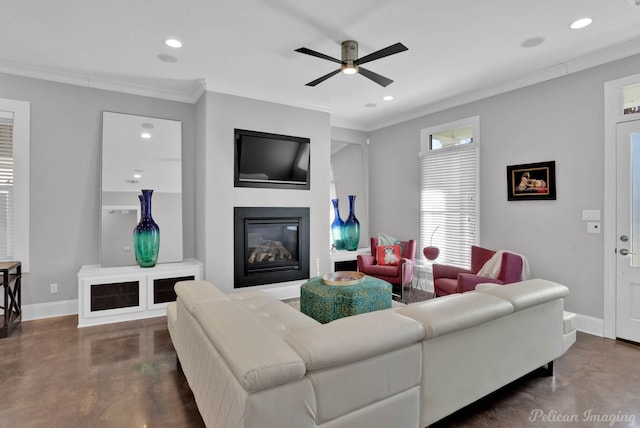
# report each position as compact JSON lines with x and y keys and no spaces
{"x":388,"y":255}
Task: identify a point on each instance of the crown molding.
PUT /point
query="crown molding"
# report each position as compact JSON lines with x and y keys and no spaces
{"x":604,"y":56}
{"x":101,"y":83}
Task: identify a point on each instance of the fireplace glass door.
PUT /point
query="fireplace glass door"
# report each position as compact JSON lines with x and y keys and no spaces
{"x":271,"y":245}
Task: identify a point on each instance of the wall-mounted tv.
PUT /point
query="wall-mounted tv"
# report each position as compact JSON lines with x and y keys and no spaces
{"x":271,"y":160}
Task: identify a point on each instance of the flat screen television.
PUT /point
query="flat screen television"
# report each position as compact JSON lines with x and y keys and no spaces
{"x":271,"y":160}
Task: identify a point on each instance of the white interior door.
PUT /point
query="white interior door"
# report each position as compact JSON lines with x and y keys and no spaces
{"x":628,"y":231}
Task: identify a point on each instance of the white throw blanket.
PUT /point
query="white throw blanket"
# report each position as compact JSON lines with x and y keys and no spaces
{"x":491,"y":268}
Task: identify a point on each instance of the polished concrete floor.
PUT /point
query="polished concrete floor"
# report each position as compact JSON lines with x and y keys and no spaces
{"x":124,"y":375}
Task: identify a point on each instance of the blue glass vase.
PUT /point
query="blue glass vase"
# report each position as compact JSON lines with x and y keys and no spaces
{"x":336,"y":227}
{"x":146,"y":235}
{"x":351,"y":228}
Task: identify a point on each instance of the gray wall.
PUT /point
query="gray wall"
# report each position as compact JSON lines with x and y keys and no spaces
{"x":560,"y":120}
{"x":66,"y":132}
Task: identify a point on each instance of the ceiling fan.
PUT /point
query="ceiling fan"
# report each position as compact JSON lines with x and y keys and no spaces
{"x":350,"y":63}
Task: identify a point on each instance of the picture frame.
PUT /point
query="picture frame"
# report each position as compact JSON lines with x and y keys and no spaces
{"x":531,"y":181}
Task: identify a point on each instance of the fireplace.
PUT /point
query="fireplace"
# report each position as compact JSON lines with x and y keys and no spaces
{"x":271,"y":245}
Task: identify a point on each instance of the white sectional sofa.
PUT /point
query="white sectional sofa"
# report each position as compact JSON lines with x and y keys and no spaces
{"x":255,"y":362}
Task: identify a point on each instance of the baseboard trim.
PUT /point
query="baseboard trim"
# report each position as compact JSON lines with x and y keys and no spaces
{"x":585,"y":323}
{"x":590,"y":325}
{"x":60,"y":308}
{"x":286,"y":292}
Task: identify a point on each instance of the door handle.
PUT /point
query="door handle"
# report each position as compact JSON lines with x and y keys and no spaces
{"x":625,"y":252}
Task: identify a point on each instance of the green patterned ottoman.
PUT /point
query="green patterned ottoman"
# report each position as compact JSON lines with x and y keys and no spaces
{"x":326,"y":303}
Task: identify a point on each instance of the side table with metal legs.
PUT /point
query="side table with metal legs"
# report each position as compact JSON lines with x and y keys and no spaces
{"x":11,"y":277}
{"x":407,"y":279}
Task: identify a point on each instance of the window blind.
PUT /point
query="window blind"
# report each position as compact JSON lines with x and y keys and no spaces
{"x":6,"y":188}
{"x":448,"y":201}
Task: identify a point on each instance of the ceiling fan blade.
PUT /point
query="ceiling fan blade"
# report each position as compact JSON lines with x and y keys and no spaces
{"x":323,"y":78}
{"x":380,"y":80}
{"x":389,"y":50}
{"x":318,"y":55}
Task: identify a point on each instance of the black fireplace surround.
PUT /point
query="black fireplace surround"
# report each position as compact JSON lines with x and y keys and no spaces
{"x":271,"y":245}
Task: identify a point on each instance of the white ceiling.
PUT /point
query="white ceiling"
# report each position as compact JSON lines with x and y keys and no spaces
{"x":459,"y":50}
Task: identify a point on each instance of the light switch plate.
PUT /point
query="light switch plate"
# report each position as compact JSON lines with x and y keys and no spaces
{"x":591,"y":215}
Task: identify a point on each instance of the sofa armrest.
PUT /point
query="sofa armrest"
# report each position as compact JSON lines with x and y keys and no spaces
{"x":446,"y":271}
{"x":352,"y":339}
{"x":468,"y":281}
{"x":258,"y":358}
{"x":365,"y":260}
{"x":194,"y":292}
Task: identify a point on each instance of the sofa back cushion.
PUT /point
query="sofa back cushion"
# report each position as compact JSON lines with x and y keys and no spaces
{"x":355,"y":338}
{"x":524,"y":294}
{"x":455,"y":312}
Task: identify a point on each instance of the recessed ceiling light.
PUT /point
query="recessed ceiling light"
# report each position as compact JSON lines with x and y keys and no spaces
{"x":580,"y":23}
{"x":388,"y":97}
{"x":167,"y":58}
{"x":173,"y":43}
{"x":532,"y":42}
{"x":145,"y":135}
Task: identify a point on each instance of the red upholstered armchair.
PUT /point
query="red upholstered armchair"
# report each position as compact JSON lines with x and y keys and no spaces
{"x":453,"y":279}
{"x":368,"y":265}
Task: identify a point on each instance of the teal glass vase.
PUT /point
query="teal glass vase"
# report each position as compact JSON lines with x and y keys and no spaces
{"x":146,"y":235}
{"x":351,"y":228}
{"x":336,"y":227}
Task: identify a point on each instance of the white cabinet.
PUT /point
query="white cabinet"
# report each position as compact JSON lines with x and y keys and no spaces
{"x":343,"y":260}
{"x":114,"y":294}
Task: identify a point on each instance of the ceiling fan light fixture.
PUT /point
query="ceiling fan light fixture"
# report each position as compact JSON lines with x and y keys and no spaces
{"x":350,"y":62}
{"x":349,"y":68}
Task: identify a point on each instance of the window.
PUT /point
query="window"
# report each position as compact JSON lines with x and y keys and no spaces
{"x":14,"y":181}
{"x":631,"y":99}
{"x":449,"y":174}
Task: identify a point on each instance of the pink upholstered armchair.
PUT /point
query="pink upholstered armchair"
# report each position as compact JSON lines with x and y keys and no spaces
{"x":368,"y":265}
{"x":453,"y":279}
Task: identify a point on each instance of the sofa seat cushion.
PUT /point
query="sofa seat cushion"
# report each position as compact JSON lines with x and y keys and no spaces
{"x":529,"y":293}
{"x":455,"y":312}
{"x":445,"y":286}
{"x":272,"y":313}
{"x":382,"y":270}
